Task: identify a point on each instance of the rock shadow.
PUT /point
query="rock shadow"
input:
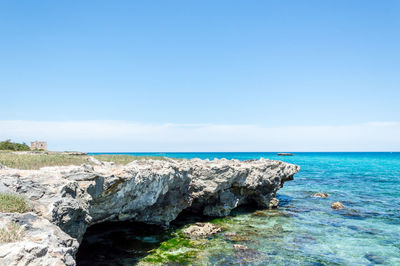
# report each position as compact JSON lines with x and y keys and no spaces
{"x":119,"y":243}
{"x":126,"y":243}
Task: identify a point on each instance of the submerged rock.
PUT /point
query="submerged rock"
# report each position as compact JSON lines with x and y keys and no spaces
{"x":374,"y":258}
{"x":277,"y":228}
{"x":337,"y":205}
{"x":234,"y":237}
{"x":245,"y":254}
{"x":68,"y":199}
{"x":259,"y":214}
{"x":201,"y":229}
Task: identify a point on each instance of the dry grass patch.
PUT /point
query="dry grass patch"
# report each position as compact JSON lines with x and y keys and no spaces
{"x":11,"y":232}
{"x":124,"y":159}
{"x":13,"y":203}
{"x":37,"y":161}
{"x":34,"y":161}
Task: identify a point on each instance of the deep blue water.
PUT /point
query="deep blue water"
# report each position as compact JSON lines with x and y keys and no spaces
{"x":366,"y":232}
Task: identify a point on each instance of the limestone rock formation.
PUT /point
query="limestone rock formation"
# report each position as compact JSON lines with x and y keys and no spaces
{"x":66,"y":200}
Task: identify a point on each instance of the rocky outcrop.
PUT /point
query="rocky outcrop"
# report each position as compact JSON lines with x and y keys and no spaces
{"x":43,"y":242}
{"x":66,"y":200}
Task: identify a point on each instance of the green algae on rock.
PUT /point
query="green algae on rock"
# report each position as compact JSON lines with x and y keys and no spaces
{"x":179,"y":249}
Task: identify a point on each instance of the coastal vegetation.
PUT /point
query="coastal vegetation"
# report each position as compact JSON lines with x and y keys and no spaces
{"x":11,"y":232}
{"x":7,"y":145}
{"x":37,"y":160}
{"x":124,"y":159}
{"x":13,"y":203}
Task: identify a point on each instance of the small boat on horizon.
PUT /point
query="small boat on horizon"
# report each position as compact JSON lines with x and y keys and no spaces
{"x":285,"y":154}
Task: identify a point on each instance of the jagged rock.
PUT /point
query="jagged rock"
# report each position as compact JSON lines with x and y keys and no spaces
{"x":337,"y":205}
{"x":227,"y":202}
{"x":94,"y":161}
{"x":320,"y":195}
{"x":43,"y":242}
{"x":273,"y":203}
{"x":67,"y":199}
{"x":4,"y":189}
{"x":201,"y":229}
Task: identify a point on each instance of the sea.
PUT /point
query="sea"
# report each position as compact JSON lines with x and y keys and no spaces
{"x":304,"y":230}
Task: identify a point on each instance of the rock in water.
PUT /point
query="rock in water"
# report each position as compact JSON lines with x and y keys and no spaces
{"x":234,"y":237}
{"x":320,"y":195}
{"x":245,"y":255}
{"x":68,"y":199}
{"x":273,"y":203}
{"x":337,"y":205}
{"x":374,"y":258}
{"x":201,"y":229}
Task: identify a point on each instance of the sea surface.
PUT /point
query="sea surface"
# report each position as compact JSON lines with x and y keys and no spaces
{"x":304,"y":230}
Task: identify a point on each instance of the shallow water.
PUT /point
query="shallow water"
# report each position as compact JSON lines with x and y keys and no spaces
{"x":303,"y":231}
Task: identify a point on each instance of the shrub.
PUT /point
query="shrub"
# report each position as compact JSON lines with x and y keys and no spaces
{"x":13,"y":146}
{"x":13,"y":203}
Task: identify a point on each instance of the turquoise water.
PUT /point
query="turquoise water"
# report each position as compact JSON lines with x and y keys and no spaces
{"x":366,"y":232}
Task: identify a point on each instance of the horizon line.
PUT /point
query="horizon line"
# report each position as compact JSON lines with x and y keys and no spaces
{"x":239,"y":151}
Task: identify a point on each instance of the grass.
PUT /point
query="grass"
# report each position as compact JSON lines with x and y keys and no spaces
{"x":32,"y":161}
{"x":13,"y":203}
{"x":124,"y":159}
{"x":36,"y":161}
{"x":11,"y":232}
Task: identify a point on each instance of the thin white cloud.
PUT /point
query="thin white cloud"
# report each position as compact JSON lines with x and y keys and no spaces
{"x":383,"y":124}
{"x":129,"y":136}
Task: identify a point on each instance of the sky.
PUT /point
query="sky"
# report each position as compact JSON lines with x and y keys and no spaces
{"x":201,"y":75}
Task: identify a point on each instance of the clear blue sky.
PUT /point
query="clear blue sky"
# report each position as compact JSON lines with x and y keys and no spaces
{"x":263,"y":63}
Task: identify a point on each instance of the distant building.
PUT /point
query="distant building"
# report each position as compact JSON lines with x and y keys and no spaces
{"x":39,"y":145}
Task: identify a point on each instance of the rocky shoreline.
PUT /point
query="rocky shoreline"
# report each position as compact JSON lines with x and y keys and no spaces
{"x":66,"y":200}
